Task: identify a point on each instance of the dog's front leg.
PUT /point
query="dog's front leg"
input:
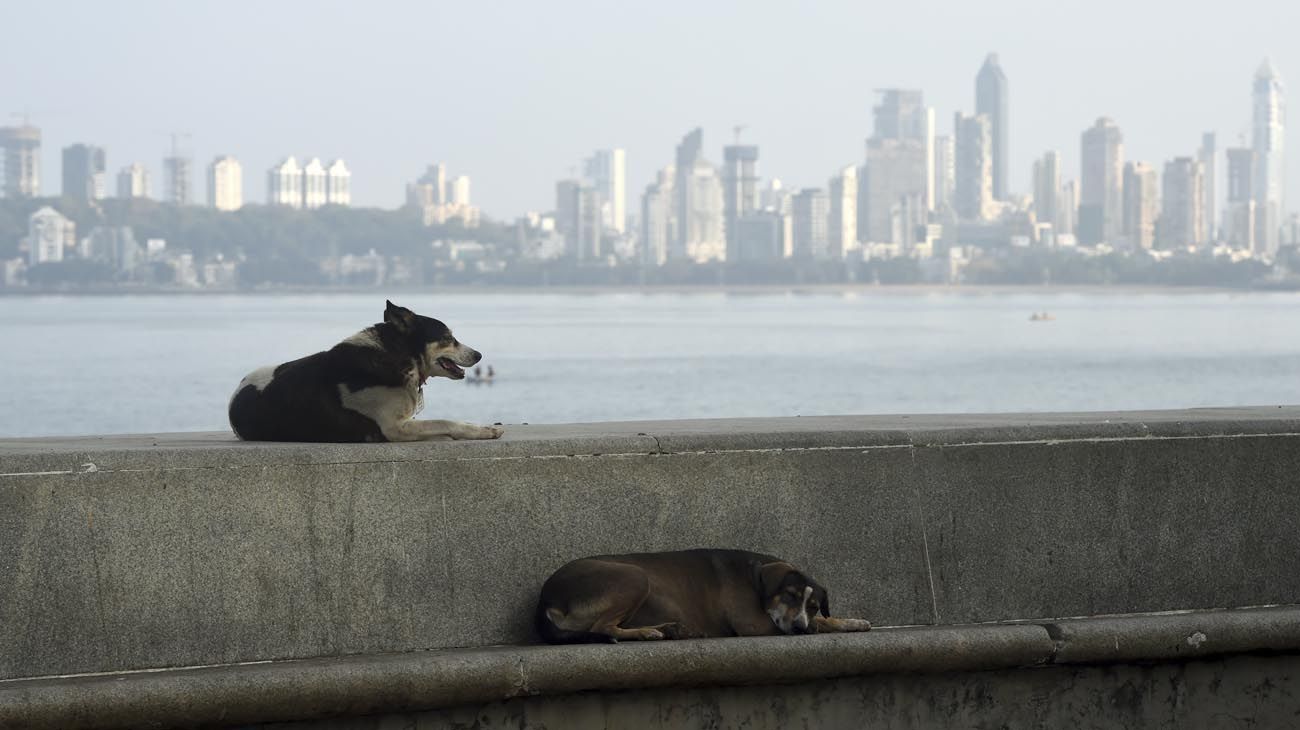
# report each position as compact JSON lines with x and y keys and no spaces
{"x":444,"y":430}
{"x":832,"y":625}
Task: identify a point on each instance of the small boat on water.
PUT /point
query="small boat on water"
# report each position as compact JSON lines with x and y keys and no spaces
{"x":1041,"y":317}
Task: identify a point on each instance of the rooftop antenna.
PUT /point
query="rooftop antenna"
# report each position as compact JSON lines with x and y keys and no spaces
{"x":735,"y":132}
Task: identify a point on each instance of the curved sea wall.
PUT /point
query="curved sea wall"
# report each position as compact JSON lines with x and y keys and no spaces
{"x":365,"y":579}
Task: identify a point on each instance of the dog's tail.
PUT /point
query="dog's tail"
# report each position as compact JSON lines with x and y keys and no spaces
{"x":546,"y":622}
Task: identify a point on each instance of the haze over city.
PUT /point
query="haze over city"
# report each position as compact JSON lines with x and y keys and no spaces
{"x":515,"y":97}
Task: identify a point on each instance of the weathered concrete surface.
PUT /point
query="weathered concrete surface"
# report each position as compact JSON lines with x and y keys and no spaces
{"x":139,"y":552}
{"x":1236,"y":693}
{"x":419,"y":680}
{"x":415,"y":683}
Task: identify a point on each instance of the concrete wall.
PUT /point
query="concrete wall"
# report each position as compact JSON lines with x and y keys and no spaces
{"x":143,"y":552}
{"x":1238,"y":692}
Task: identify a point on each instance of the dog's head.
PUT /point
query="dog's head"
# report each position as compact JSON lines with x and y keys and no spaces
{"x":436,"y":351}
{"x":792,"y":598}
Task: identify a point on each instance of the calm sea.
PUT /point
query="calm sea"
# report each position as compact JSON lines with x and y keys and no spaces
{"x":81,"y":365}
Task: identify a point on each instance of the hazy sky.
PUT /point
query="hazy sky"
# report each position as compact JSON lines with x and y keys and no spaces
{"x":516,"y":94}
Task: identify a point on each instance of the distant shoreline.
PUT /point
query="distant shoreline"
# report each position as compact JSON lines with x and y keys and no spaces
{"x":736,"y":289}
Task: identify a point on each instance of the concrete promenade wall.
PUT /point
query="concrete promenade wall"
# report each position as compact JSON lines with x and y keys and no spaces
{"x":124,"y":553}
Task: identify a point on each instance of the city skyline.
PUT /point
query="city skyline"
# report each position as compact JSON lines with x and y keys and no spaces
{"x":807,"y":105}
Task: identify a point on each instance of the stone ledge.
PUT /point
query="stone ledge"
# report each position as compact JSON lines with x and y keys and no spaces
{"x":221,"y":450}
{"x":362,"y":685}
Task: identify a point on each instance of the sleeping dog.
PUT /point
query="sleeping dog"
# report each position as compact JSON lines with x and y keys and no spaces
{"x":366,"y":388}
{"x":679,"y":595}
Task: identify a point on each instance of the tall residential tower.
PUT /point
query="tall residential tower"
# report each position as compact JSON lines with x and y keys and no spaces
{"x":991,"y":100}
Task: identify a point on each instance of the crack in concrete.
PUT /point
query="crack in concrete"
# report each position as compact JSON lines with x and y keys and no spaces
{"x":925,"y":540}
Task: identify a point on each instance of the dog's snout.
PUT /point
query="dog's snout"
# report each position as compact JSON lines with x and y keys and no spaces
{"x":475,"y":356}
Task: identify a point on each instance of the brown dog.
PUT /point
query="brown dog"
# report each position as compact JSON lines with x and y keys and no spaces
{"x":680,"y":595}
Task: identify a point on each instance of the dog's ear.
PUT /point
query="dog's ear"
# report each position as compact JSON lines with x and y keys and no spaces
{"x":771,"y":575}
{"x":401,"y":317}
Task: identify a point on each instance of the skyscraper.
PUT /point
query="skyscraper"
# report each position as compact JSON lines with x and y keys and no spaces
{"x":459,"y":190}
{"x":1069,"y":208}
{"x":1210,"y":202}
{"x":1141,"y":205}
{"x":338,"y":184}
{"x":896,"y":184}
{"x":84,"y":169}
{"x":1047,"y":190}
{"x":811,"y":213}
{"x":698,"y":211}
{"x":284,"y":184}
{"x":430,"y":188}
{"x":178,"y":179}
{"x":1239,"y":224}
{"x":1101,"y":183}
{"x":991,"y":100}
{"x":739,"y":189}
{"x":1181,"y":220}
{"x":578,"y":219}
{"x":21,"y":159}
{"x":606,"y":171}
{"x":1270,"y":165}
{"x":226,"y":184}
{"x":945,"y":172}
{"x":973,"y":199}
{"x":133,"y":181}
{"x":313,"y":183}
{"x":656,"y":218}
{"x":842,"y":219}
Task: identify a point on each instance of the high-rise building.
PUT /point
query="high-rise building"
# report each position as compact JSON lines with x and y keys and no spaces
{"x":284,"y":184}
{"x":84,"y":172}
{"x":20,"y":156}
{"x":226,"y":183}
{"x":178,"y":179}
{"x":896,"y":184}
{"x":1069,"y":208}
{"x":1101,"y":183}
{"x":973,"y":198}
{"x":739,"y":189}
{"x":1141,"y":205}
{"x":1270,"y":165}
{"x":760,"y":236}
{"x":1181,"y":220}
{"x":338,"y":184}
{"x":945,"y":172}
{"x":842,"y":219}
{"x":991,"y":101}
{"x":606,"y":172}
{"x":1047,"y":190}
{"x":314,"y":182}
{"x":698,"y":211}
{"x":657,"y":218}
{"x":811,"y":212}
{"x":578,"y":219}
{"x":1210,"y":202}
{"x":1239,"y":225}
{"x":49,"y":233}
{"x":133,"y":181}
{"x":431,"y":187}
{"x":459,"y":190}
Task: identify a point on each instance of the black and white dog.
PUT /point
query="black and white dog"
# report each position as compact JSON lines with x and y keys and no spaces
{"x":366,"y":388}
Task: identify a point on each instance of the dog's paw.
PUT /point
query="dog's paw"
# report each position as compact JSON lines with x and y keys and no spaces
{"x":651,"y":634}
{"x":491,"y":432}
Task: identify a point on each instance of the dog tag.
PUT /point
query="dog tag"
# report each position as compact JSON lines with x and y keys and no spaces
{"x":419,"y":401}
